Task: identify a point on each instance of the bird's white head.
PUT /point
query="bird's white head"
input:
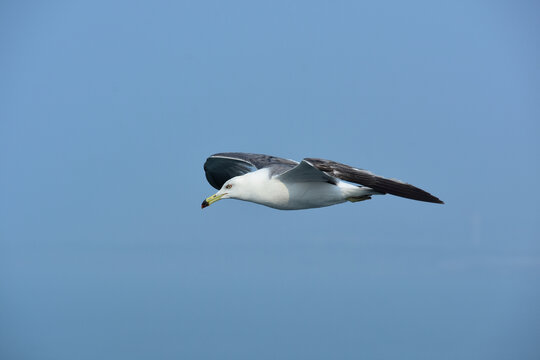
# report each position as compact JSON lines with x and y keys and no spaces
{"x":256,"y":186}
{"x":232,"y":189}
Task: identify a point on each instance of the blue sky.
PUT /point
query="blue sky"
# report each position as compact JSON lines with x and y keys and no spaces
{"x":109,"y":109}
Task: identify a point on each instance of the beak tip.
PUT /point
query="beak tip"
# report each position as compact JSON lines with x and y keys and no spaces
{"x":204,"y":204}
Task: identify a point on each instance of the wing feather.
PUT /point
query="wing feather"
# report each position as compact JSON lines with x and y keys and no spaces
{"x":305,"y":172}
{"x":377,"y":183}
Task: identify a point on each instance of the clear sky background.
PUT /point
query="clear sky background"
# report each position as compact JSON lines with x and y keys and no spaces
{"x":108,"y":110}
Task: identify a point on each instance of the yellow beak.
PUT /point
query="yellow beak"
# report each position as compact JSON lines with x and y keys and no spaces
{"x":210,"y":200}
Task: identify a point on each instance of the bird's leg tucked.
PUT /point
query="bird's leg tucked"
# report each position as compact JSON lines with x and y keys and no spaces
{"x":358,"y":198}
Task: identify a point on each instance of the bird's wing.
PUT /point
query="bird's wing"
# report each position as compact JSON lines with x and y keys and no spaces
{"x":377,"y":183}
{"x":305,"y":172}
{"x":222,"y":166}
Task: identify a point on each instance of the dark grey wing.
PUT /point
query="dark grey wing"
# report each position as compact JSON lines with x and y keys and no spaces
{"x":377,"y":183}
{"x":222,"y":166}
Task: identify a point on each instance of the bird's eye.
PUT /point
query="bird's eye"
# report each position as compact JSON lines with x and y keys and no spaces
{"x":228,"y":186}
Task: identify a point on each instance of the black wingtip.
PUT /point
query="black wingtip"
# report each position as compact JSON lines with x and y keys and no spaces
{"x":429,"y":198}
{"x":432,"y":199}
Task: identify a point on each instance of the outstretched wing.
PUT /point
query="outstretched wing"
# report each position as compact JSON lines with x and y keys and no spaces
{"x":377,"y":183}
{"x":222,"y":166}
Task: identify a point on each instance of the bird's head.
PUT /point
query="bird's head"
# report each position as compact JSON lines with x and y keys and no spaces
{"x":230,"y":190}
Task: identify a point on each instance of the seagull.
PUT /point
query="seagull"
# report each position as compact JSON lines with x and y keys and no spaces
{"x":290,"y":185}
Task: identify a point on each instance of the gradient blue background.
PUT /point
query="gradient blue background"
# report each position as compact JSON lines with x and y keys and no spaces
{"x":109,"y":109}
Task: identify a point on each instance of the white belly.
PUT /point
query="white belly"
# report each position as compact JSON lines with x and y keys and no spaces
{"x":311,"y":195}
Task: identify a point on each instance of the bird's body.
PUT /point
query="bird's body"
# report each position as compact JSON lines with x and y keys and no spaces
{"x":264,"y":189}
{"x":288,"y":185}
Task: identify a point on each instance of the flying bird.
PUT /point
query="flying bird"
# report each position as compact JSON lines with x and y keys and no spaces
{"x":290,"y":185}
